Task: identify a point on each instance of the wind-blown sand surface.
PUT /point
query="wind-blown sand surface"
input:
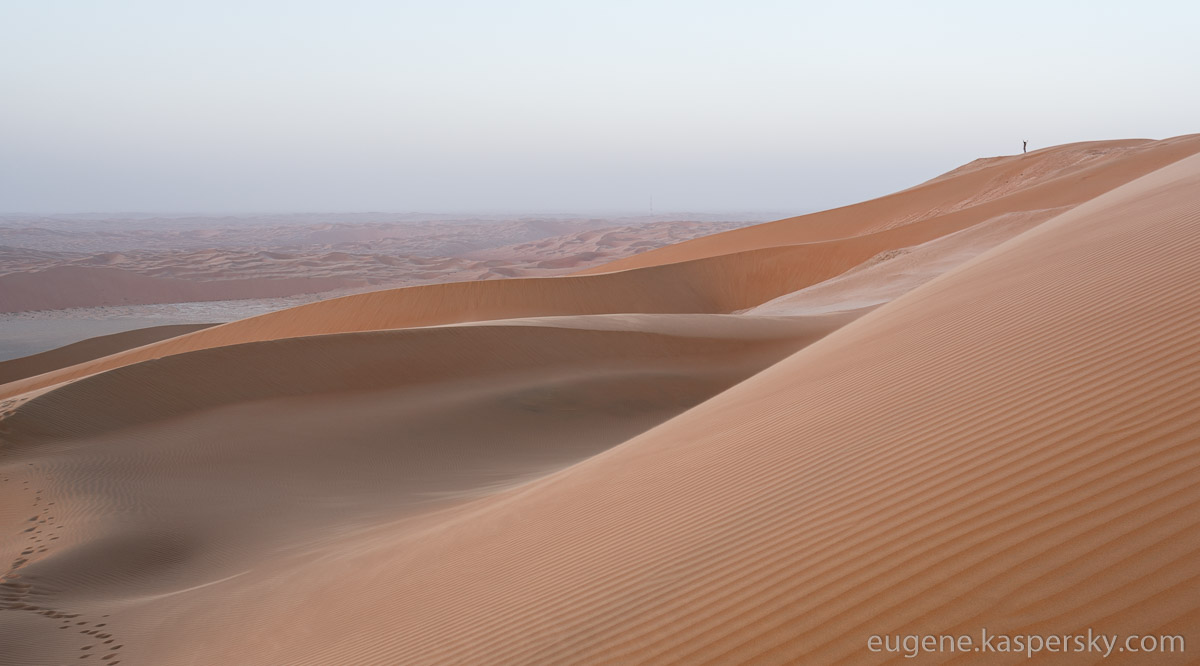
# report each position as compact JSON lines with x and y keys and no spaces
{"x":969,"y":404}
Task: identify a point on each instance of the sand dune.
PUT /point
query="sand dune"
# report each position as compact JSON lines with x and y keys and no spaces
{"x":976,"y":414}
{"x":1026,"y":462}
{"x":388,"y":360}
{"x":87,"y":350}
{"x":165,"y":265}
{"x":1045,"y":179}
{"x":87,"y":286}
{"x":895,"y":272}
{"x":708,"y":286}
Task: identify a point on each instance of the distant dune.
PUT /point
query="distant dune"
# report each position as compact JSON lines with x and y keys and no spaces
{"x":87,"y":286}
{"x":230,"y":264}
{"x":970,"y":404}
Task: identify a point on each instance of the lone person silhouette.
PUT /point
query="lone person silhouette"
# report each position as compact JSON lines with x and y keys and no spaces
{"x":1024,"y":146}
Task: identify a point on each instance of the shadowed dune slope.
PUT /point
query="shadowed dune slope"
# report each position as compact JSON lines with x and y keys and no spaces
{"x":87,"y":350}
{"x":383,"y":360}
{"x":1050,"y":178}
{"x":1013,"y":445}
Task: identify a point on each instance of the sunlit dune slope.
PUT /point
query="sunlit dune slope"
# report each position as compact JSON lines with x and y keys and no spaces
{"x":1050,"y":178}
{"x":893,"y":273}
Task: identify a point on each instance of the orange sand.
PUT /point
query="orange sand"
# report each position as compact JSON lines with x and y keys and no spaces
{"x":969,"y":404}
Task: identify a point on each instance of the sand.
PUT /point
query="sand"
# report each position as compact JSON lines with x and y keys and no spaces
{"x":976,"y":414}
{"x":77,"y":264}
{"x":89,"y":349}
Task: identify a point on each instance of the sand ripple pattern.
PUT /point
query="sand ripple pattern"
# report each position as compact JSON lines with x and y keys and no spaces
{"x":1011,"y":445}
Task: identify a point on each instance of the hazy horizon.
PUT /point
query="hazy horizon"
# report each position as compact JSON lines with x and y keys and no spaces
{"x":538,"y":108}
{"x":134,"y":215}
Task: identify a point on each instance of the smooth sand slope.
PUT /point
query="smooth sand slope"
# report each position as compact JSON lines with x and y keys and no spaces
{"x":892,"y":273}
{"x":1044,"y":180}
{"x":962,"y":432}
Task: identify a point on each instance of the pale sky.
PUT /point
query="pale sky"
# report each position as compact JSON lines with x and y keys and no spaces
{"x":558,"y":106}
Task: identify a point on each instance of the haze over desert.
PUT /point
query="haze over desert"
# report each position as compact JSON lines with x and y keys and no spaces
{"x":528,"y":412}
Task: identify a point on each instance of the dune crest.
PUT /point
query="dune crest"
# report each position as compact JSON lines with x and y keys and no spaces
{"x":1044,"y":179}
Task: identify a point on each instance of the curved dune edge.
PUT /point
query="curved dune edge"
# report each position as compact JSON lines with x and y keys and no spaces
{"x":1048,"y":178}
{"x":1009,"y":446}
{"x":776,"y":258}
{"x":61,"y":287}
{"x":894,"y":273}
{"x":89,"y":349}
